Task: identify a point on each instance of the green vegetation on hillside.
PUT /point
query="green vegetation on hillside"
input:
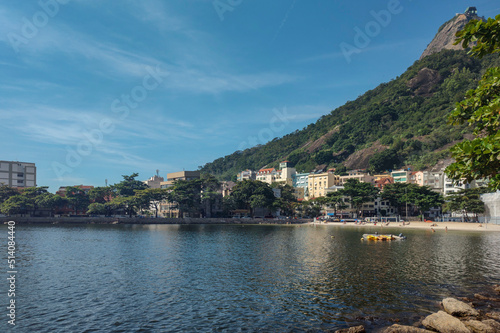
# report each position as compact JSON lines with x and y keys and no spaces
{"x":407,"y":116}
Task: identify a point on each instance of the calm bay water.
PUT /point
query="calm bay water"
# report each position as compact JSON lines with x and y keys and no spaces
{"x":208,"y":278}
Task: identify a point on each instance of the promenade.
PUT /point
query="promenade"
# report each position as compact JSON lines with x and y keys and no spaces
{"x":436,"y":226}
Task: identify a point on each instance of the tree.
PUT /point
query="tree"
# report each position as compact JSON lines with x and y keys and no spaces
{"x":336,"y":200}
{"x":187,"y":195}
{"x":358,"y":193}
{"x":466,"y":201}
{"x":286,"y":201}
{"x":485,"y":34}
{"x":128,"y":186}
{"x":424,"y":198}
{"x":101,"y":194}
{"x":397,"y":195}
{"x":151,"y":197}
{"x":32,"y":193}
{"x":7,"y":192}
{"x":77,"y":198}
{"x":113,"y":206}
{"x":228,"y":205}
{"x":385,"y":160}
{"x":50,"y":201}
{"x":128,"y":204}
{"x":17,"y":204}
{"x":97,"y":208}
{"x":250,"y":194}
{"x":312,"y":208}
{"x":210,"y":193}
{"x":479,"y":158}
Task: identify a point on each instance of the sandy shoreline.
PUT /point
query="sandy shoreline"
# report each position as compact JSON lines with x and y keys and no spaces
{"x":463,"y":226}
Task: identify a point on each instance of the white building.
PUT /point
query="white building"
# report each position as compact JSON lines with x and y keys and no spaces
{"x":269,"y":175}
{"x":449,"y":187}
{"x":246,"y":174}
{"x":154,"y":182}
{"x":360,"y":175}
{"x":287,"y":172}
{"x":383,"y":207}
{"x":17,"y":174}
{"x":401,"y":176}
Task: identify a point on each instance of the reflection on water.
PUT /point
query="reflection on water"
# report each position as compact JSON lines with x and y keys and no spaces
{"x":163,"y":278}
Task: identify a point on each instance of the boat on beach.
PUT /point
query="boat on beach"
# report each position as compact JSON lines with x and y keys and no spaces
{"x":386,"y":237}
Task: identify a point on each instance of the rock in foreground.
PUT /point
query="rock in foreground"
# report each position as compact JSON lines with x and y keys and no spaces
{"x":404,"y":329}
{"x":459,"y":309}
{"x":444,"y":323}
{"x":479,"y":327}
{"x":355,"y":329}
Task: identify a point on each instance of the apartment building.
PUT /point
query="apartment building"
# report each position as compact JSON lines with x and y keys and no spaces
{"x":423,"y":178}
{"x":320,"y":182}
{"x":17,"y":174}
{"x":180,"y":175}
{"x":401,"y":176}
{"x":299,"y":183}
{"x":450,"y":187}
{"x":246,"y":174}
{"x":382,"y":207}
{"x":154,"y":182}
{"x":268,"y":175}
{"x":360,"y":175}
{"x":287,"y":172}
{"x":169,"y":209}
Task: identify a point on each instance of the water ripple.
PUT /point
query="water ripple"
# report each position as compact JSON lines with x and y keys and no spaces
{"x":232,"y":279}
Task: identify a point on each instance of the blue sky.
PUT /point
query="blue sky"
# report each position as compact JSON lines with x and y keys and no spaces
{"x":92,"y":89}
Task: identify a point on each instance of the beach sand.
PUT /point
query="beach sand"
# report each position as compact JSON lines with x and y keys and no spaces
{"x":441,"y":226}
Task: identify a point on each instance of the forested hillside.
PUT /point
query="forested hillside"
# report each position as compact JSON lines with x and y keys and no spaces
{"x":402,"y":122}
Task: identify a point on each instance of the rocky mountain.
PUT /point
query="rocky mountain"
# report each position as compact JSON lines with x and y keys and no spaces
{"x":445,"y":38}
{"x":399,"y":123}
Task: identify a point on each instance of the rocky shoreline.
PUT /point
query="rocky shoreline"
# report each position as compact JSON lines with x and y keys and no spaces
{"x":478,"y":314}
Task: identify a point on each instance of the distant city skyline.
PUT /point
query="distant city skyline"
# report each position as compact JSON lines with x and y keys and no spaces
{"x":91,"y":90}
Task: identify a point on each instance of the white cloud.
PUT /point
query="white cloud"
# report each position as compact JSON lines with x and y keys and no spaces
{"x":189,"y":71}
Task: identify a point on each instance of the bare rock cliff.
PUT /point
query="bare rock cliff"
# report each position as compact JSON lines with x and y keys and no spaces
{"x":425,"y":81}
{"x":445,"y":37}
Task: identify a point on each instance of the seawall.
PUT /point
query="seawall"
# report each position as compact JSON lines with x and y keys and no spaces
{"x":145,"y":220}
